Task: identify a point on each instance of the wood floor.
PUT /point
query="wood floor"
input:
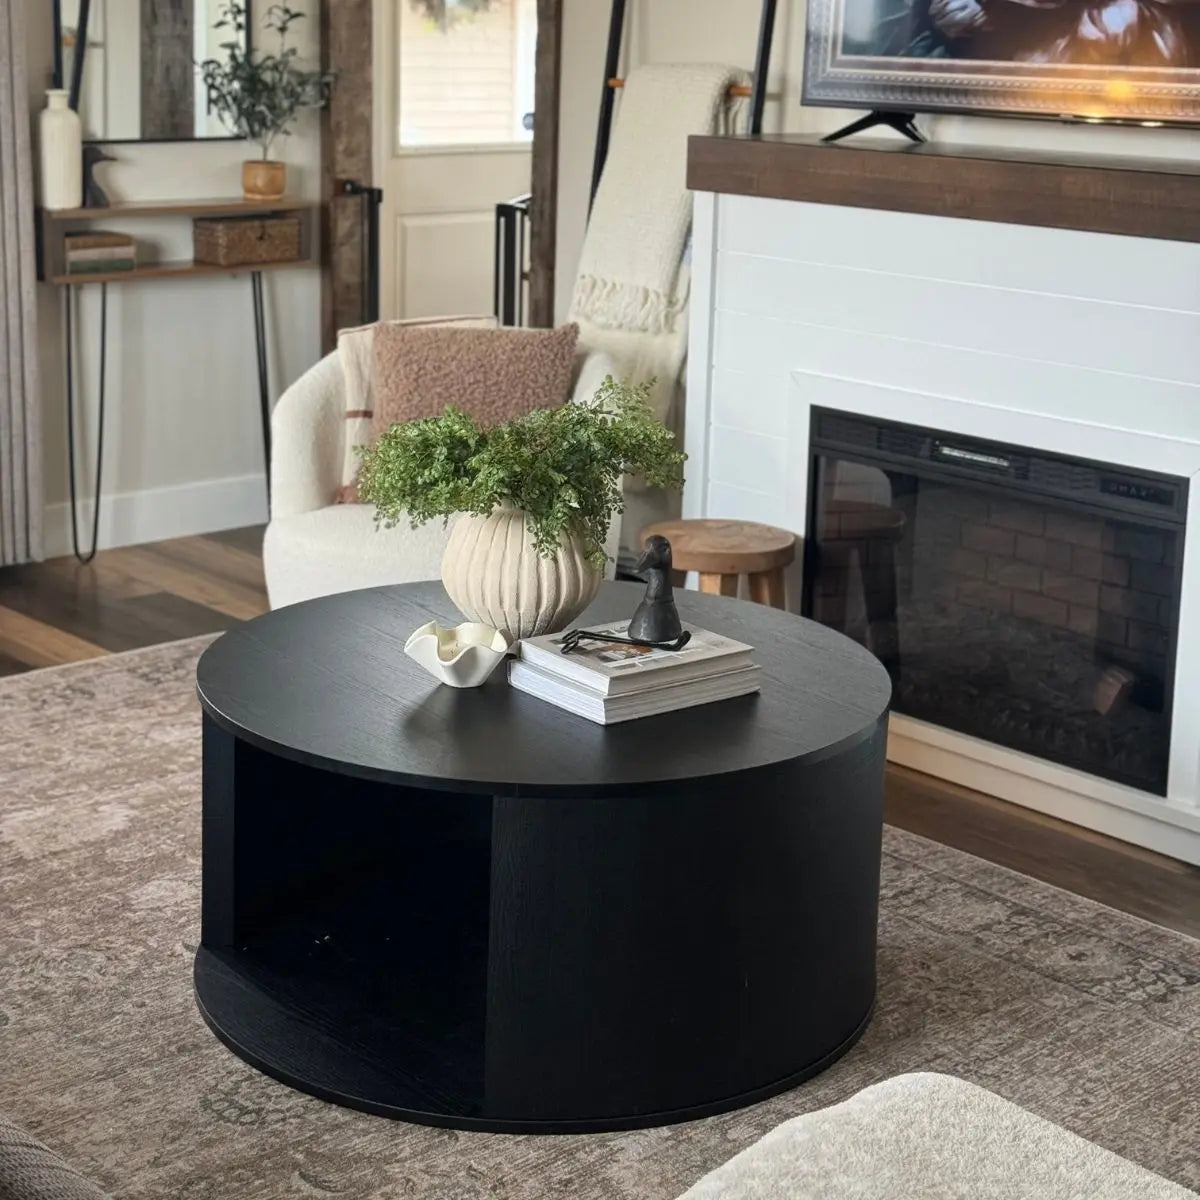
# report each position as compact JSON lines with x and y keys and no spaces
{"x":60,"y":612}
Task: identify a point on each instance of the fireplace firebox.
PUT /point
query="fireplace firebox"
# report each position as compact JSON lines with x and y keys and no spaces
{"x":1026,"y":598}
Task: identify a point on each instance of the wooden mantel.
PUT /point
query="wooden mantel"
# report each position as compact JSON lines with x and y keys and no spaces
{"x":1138,"y":198}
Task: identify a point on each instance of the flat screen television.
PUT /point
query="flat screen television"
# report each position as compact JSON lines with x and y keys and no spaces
{"x":1092,"y":60}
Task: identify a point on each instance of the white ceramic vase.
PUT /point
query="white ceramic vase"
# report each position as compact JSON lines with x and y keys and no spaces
{"x":494,"y":575}
{"x":61,"y":143}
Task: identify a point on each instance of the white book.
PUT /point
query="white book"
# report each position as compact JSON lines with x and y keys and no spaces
{"x":584,"y":702}
{"x":613,"y":670}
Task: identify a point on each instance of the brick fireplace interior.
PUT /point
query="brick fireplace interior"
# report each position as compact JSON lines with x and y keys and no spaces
{"x":1025,"y":598}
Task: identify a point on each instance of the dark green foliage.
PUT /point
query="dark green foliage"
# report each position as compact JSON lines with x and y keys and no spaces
{"x":257,"y":95}
{"x":445,"y":13}
{"x":563,"y":466}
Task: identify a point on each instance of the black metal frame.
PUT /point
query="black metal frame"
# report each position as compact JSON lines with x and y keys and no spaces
{"x":509,"y":276}
{"x":372,"y":198}
{"x":612,"y":62}
{"x":76,"y":83}
{"x":762,"y":64}
{"x":1115,"y":505}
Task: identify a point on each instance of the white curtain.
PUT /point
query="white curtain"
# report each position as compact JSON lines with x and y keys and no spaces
{"x":20,"y":411}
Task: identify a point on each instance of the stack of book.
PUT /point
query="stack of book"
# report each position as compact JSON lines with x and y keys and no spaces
{"x":607,"y":683}
{"x":99,"y":253}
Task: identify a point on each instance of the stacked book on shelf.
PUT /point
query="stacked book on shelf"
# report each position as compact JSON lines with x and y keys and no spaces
{"x":99,"y":253}
{"x":607,"y":682}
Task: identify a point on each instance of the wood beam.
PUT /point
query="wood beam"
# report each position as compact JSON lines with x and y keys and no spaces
{"x":168,"y":76}
{"x":346,"y":141}
{"x":543,"y":233}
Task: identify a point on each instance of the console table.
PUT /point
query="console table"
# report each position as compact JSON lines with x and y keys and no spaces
{"x":53,"y":225}
{"x":473,"y":909}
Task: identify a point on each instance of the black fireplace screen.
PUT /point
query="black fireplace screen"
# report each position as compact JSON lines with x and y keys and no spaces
{"x":1027,"y":599}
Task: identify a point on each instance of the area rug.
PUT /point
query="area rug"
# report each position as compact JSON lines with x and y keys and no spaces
{"x":1083,"y":1015}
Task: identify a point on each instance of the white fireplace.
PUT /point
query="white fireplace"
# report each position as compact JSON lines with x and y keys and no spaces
{"x":1060,"y":341}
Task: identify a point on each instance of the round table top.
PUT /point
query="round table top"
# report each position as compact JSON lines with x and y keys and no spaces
{"x":327,"y":683}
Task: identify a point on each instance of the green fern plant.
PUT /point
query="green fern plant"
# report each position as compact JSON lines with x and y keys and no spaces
{"x":258,"y":95}
{"x":563,"y":466}
{"x":445,"y":14}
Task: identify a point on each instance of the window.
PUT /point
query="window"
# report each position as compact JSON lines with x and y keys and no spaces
{"x":466,"y":71}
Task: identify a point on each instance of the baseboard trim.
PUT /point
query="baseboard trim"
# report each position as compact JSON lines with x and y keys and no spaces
{"x":130,"y":518}
{"x":1072,"y":796}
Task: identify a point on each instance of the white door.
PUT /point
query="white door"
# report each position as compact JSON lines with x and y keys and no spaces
{"x":453,"y":87}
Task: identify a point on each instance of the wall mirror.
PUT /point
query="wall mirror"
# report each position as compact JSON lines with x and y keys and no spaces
{"x":136,"y":66}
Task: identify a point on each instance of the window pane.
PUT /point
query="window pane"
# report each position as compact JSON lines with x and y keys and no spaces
{"x":466,"y":71}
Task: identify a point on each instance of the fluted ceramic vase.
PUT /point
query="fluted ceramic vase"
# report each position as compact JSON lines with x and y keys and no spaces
{"x":60,"y":142}
{"x":493,"y":573}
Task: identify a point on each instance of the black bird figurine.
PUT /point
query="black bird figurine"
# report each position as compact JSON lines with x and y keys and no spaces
{"x":656,"y":619}
{"x":94,"y":196}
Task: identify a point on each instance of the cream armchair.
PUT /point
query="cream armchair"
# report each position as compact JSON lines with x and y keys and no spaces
{"x":314,"y":547}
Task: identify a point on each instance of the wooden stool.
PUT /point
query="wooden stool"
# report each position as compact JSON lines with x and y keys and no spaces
{"x":721,"y":551}
{"x":853,"y":530}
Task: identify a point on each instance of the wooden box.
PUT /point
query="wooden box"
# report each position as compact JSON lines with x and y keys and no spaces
{"x":237,"y":241}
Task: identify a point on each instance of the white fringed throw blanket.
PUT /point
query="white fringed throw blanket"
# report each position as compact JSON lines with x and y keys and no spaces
{"x":631,"y":293}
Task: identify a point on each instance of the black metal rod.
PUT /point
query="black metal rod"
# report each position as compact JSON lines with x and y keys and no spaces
{"x":612,"y":64}
{"x":509,"y":277}
{"x":497,"y":258}
{"x":81,"y":41}
{"x":260,"y":346}
{"x":762,"y":65}
{"x":73,"y":483}
{"x":508,"y":314}
{"x":373,"y":199}
{"x":520,"y":220}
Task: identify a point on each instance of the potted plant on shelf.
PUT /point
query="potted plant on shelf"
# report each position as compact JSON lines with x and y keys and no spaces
{"x":258,"y":95}
{"x":534,"y":498}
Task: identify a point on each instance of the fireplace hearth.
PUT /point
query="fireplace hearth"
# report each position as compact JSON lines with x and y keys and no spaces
{"x":1025,"y":598}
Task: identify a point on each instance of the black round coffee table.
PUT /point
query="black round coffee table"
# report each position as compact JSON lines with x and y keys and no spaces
{"x":470,"y":908}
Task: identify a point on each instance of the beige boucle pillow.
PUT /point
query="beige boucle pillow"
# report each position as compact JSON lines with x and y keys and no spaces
{"x":491,"y":374}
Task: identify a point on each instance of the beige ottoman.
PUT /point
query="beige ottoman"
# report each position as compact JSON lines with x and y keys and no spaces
{"x":928,"y":1137}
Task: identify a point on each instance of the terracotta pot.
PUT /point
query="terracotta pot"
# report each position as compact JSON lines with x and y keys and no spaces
{"x":494,"y":575}
{"x":263,"y":179}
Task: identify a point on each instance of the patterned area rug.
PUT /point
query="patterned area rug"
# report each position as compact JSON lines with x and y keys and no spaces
{"x":1074,"y":1011}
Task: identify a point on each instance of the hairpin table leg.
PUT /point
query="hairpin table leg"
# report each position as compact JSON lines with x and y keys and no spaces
{"x":69,"y":294}
{"x":260,"y":346}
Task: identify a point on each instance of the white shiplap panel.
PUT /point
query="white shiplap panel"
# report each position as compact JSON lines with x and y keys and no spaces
{"x":1063,"y":262}
{"x":735,"y":456}
{"x":756,"y":401}
{"x":1160,"y":343}
{"x":756,"y":350}
{"x":744,"y":504}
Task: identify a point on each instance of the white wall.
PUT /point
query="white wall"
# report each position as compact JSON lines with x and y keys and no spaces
{"x":726,"y":31}
{"x":183,"y":451}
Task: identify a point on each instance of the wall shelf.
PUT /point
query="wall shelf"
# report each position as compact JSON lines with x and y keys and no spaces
{"x":172,"y":269}
{"x":228,"y":207}
{"x":54,"y":225}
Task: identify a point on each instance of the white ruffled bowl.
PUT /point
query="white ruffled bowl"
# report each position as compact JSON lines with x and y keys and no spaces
{"x":463,"y":656}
